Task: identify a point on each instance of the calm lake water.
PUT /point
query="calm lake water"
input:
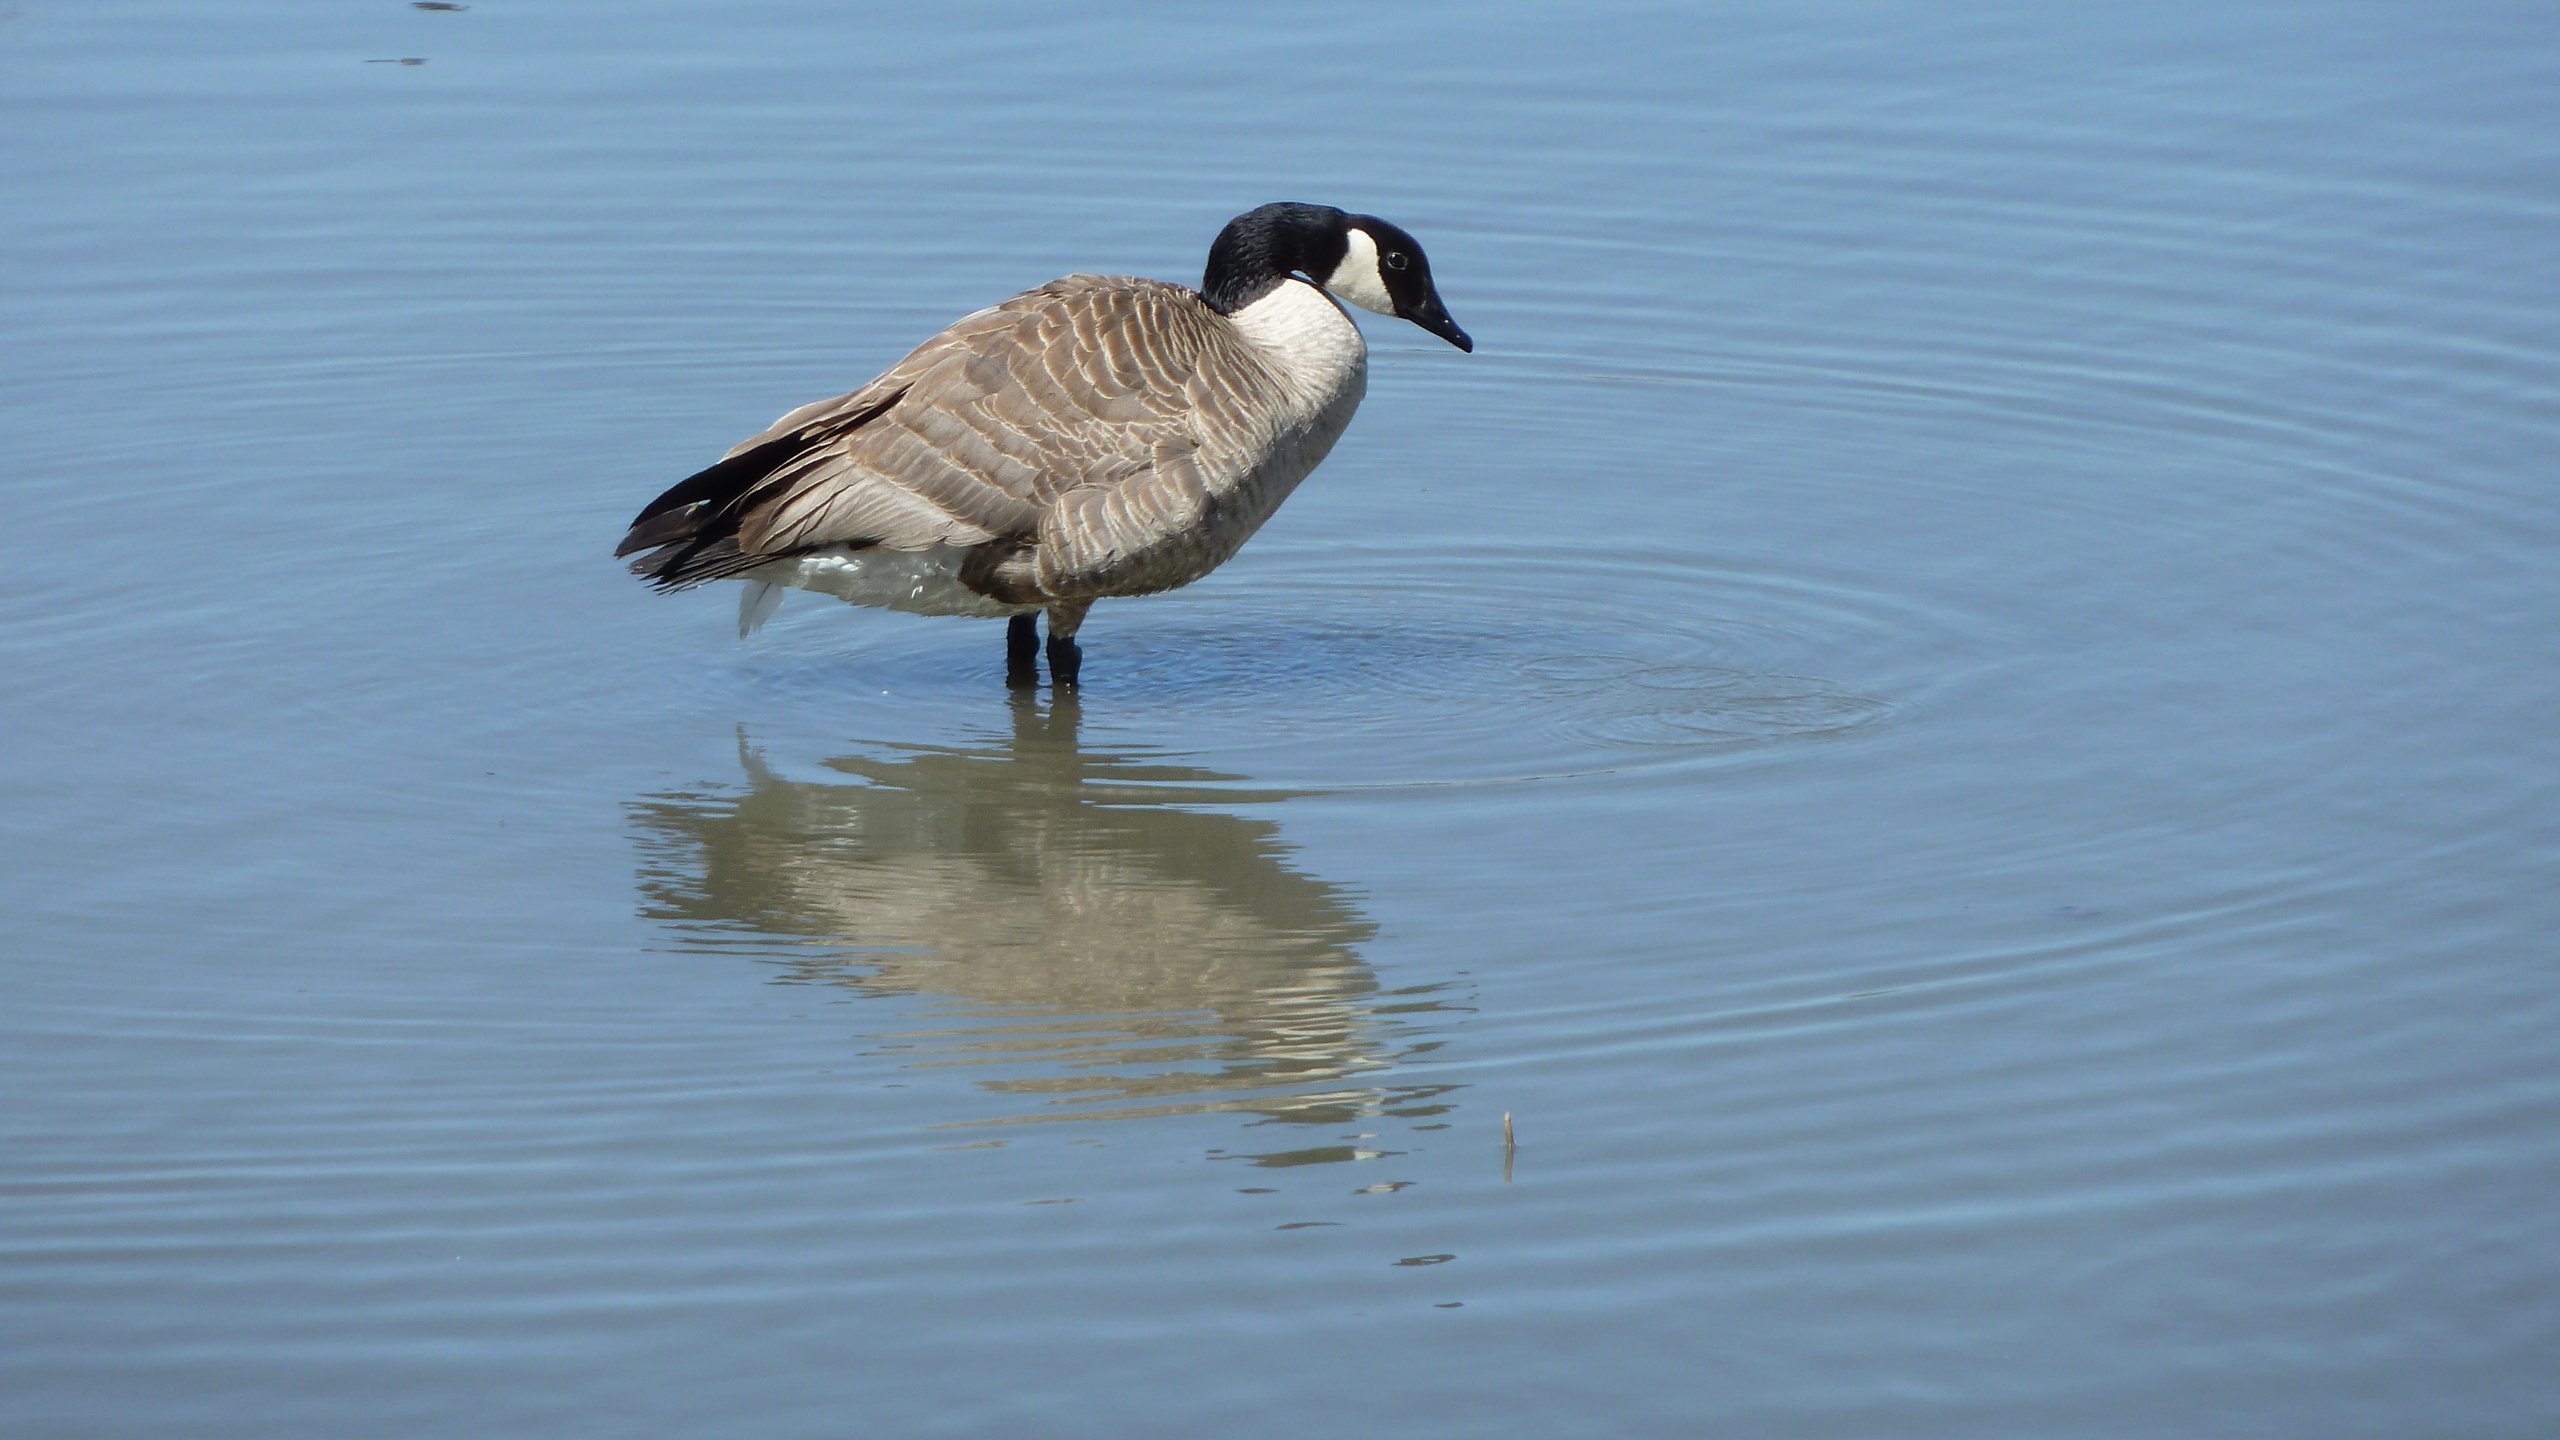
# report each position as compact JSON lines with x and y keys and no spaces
{"x":1954,"y":715}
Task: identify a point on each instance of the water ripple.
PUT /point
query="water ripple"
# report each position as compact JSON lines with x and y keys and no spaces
{"x":1350,"y":668}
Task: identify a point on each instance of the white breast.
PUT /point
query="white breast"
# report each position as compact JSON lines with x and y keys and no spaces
{"x":1310,"y":341}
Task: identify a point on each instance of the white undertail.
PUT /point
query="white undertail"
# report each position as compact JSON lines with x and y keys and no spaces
{"x":756,"y":604}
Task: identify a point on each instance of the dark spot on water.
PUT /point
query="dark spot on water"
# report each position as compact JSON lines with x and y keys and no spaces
{"x":1319,"y":1155}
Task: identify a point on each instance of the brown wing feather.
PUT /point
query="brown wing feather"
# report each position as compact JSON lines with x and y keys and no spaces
{"x":1104,"y":387}
{"x":995,"y":419}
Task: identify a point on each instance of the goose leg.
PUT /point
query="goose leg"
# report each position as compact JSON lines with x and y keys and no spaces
{"x":1022,"y":650}
{"x":1065,"y":658}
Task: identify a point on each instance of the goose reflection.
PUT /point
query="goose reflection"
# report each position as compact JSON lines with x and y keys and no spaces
{"x":1125,"y":943}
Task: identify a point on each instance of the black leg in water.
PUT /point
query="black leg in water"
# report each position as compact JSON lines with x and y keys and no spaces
{"x":1064,"y":660}
{"x":1022,"y":650}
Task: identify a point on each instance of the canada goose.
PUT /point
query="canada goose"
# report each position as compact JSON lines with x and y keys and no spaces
{"x":1095,"y":436}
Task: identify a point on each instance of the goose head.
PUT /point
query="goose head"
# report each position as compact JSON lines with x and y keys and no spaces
{"x":1361,"y":258}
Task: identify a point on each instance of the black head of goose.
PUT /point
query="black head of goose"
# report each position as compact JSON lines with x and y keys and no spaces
{"x":1096,"y":436}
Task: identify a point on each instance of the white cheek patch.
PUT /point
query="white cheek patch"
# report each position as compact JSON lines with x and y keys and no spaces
{"x":1357,"y":279}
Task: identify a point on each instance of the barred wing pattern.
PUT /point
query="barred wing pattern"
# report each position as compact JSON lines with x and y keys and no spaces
{"x":1078,"y":431}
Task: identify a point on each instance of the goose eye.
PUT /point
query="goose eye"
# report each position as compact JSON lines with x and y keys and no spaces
{"x":1395,"y":260}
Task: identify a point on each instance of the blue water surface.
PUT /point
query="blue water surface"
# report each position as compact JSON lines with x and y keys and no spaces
{"x":1923,"y":801}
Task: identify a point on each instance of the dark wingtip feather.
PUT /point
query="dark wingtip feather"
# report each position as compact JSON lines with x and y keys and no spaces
{"x":701,"y":505}
{"x":682,"y":566}
{"x":651,"y":531}
{"x":691,"y":531}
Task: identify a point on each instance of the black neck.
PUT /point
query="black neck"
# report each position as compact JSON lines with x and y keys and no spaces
{"x":1263,"y":247}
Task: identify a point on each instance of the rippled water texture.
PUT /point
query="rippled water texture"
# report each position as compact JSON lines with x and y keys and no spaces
{"x":1527,"y":665}
{"x":1920,"y":802}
